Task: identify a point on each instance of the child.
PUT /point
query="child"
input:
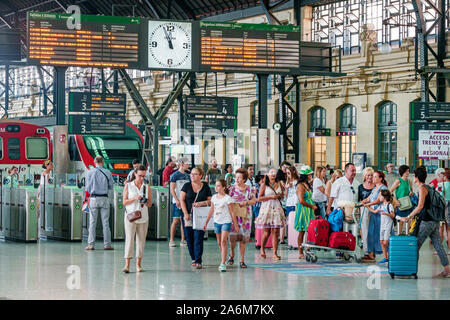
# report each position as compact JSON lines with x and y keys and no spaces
{"x":386,"y":210}
{"x":221,"y":206}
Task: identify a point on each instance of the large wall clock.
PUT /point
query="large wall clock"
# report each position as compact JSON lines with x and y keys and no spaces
{"x":169,"y":45}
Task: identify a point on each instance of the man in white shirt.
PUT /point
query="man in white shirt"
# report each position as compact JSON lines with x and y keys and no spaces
{"x":344,"y":189}
{"x":251,"y":179}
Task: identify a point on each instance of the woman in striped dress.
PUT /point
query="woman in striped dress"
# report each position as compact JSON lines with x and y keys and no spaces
{"x":305,"y":207}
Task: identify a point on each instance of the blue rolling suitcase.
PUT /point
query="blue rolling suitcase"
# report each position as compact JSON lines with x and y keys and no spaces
{"x":403,"y":256}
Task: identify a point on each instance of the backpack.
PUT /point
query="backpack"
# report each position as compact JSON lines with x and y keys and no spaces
{"x":336,"y":220}
{"x":436,"y":211}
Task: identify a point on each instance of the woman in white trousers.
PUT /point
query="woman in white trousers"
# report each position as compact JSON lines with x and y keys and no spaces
{"x":133,"y":200}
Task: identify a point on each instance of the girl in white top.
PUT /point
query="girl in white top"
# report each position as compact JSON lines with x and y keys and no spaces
{"x":222,"y":208}
{"x":318,"y":196}
{"x":386,"y":210}
{"x":133,"y":195}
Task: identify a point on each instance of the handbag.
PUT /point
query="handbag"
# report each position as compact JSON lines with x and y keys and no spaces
{"x":240,"y":211}
{"x":405,"y":203}
{"x":189,"y":223}
{"x":135,"y":215}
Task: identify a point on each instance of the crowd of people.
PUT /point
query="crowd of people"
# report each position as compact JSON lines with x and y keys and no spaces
{"x":266,"y":200}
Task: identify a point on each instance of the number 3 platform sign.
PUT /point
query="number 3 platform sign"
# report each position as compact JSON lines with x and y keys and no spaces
{"x":97,"y":113}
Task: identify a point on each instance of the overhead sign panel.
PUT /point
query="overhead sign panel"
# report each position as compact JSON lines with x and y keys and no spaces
{"x":210,"y":112}
{"x":100,"y":42}
{"x":434,"y":144}
{"x":96,"y":113}
{"x":251,"y":48}
{"x":415,"y":127}
{"x":10,"y":45}
{"x":430,"y":110}
{"x":200,"y":106}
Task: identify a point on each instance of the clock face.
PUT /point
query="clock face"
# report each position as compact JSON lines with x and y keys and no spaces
{"x":169,"y":45}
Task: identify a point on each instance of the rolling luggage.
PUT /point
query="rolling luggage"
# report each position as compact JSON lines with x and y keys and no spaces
{"x":318,"y":232}
{"x":403,"y":256}
{"x":292,"y":233}
{"x":342,"y":240}
{"x":258,"y":239}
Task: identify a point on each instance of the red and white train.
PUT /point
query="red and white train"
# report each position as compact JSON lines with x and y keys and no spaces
{"x":27,"y":146}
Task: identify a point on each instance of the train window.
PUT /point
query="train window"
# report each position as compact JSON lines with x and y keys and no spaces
{"x":37,"y":148}
{"x":113,"y":148}
{"x":14,"y":148}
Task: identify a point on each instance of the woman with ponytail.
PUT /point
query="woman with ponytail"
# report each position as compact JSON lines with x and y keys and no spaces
{"x":373,"y":201}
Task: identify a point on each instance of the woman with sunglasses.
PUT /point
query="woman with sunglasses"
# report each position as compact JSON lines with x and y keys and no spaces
{"x":373,"y":201}
{"x":137,"y":196}
{"x":194,"y":194}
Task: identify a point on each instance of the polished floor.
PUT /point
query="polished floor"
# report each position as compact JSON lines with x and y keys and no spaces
{"x":49,"y":270}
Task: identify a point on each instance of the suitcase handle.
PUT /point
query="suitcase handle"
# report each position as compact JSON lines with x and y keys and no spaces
{"x":398,"y":226}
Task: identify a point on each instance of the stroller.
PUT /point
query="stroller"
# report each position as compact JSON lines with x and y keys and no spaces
{"x":353,"y":226}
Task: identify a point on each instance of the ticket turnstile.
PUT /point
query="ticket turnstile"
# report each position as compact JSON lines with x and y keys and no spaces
{"x":61,"y":215}
{"x":158,"y":214}
{"x":18,"y":214}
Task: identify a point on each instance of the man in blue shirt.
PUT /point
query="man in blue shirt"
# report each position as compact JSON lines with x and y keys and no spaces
{"x":98,"y":182}
{"x":177,"y":180}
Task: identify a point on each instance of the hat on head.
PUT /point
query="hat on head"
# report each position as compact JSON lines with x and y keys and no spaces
{"x":305,"y":170}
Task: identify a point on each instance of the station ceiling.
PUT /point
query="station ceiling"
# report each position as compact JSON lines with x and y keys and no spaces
{"x":13,"y":12}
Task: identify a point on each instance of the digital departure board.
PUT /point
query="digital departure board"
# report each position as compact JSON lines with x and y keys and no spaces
{"x":200,"y":106}
{"x":252,"y":48}
{"x":10,"y":45}
{"x":430,"y":110}
{"x":96,"y":113}
{"x":211,"y":112}
{"x":101,"y":41}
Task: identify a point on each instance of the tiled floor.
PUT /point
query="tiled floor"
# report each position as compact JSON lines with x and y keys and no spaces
{"x":39,"y":271}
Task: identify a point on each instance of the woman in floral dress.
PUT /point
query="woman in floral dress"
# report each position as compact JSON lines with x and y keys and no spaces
{"x":244,"y":196}
{"x":271,"y":215}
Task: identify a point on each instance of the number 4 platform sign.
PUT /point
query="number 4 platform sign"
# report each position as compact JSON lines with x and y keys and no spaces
{"x":434,"y":144}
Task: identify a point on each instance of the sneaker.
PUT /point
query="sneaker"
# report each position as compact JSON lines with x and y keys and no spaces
{"x":222,"y":268}
{"x":183,"y":243}
{"x":383,"y":261}
{"x":89,"y":248}
{"x":108,"y":248}
{"x":435,"y":253}
{"x":172,"y":244}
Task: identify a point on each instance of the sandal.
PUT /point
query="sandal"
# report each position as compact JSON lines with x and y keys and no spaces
{"x":198,"y":266}
{"x":301,"y":256}
{"x":263,"y":255}
{"x":193,"y":264}
{"x":243,"y":265}
{"x":442,"y":275}
{"x":230,"y":261}
{"x":275,"y":257}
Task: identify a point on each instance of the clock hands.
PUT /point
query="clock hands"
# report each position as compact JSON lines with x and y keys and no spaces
{"x":169,"y":38}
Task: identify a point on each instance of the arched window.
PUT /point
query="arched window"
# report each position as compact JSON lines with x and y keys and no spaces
{"x":347,"y":133}
{"x":387,"y":134}
{"x":318,"y":120}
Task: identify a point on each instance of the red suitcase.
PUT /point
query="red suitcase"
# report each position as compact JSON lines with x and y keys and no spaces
{"x":318,"y":232}
{"x":258,"y":239}
{"x":342,"y":240}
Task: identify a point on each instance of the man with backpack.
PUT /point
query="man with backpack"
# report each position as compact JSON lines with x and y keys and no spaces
{"x":429,"y":212}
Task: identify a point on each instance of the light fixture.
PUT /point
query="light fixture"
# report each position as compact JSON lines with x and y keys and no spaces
{"x":323,"y":82}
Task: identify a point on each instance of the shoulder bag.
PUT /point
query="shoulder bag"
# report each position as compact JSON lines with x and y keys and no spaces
{"x":405,"y":202}
{"x":135,"y":215}
{"x":189,"y":223}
